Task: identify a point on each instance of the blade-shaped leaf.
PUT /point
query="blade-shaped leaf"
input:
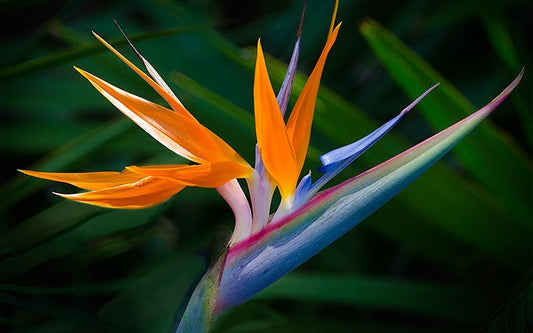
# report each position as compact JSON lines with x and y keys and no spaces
{"x":150,"y":303}
{"x":515,"y":314}
{"x":44,"y":225}
{"x":502,"y":42}
{"x":22,"y":186}
{"x":429,"y":299}
{"x":51,"y":309}
{"x":78,"y":52}
{"x":74,"y":239}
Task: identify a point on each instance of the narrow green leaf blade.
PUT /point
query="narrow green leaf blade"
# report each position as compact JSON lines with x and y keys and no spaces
{"x":434,"y":300}
{"x":78,"y":52}
{"x":150,"y":304}
{"x":75,"y":239}
{"x":515,"y":314}
{"x":487,"y":153}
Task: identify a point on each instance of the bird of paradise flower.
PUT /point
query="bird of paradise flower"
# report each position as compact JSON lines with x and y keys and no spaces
{"x":264,"y":246}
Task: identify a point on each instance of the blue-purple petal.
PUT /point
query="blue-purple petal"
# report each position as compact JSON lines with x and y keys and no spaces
{"x":285,"y":90}
{"x":303,"y":187}
{"x":336,"y":160}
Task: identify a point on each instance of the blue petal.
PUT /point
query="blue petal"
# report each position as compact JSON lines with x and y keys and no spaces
{"x":358,"y":147}
{"x":285,"y":90}
{"x":352,"y":151}
{"x":303,"y":187}
{"x":336,"y":160}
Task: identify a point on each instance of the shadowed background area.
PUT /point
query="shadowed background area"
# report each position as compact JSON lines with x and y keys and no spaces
{"x":453,"y":252}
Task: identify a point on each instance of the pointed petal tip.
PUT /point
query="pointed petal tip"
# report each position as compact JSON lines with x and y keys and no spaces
{"x":63,"y":195}
{"x":300,"y":26}
{"x":503,"y":95}
{"x":335,"y":30}
{"x":85,"y":74}
{"x":99,"y":38}
{"x":518,"y":78}
{"x":419,"y":98}
{"x":128,"y":40}
{"x":79,"y":70}
{"x":31,"y":173}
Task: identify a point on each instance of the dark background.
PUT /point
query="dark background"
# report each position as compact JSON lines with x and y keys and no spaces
{"x":451,"y":253}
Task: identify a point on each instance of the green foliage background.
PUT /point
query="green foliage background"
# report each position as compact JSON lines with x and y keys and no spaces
{"x":450,"y":253}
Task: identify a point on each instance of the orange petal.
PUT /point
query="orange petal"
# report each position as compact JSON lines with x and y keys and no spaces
{"x":201,"y":175}
{"x":181,"y":134}
{"x":159,"y":85}
{"x":301,"y":118}
{"x":144,"y":193}
{"x":89,"y":180}
{"x":274,"y":145}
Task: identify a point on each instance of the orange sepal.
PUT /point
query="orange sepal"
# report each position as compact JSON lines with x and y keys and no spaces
{"x":144,"y":193}
{"x":162,"y":89}
{"x":89,"y":180}
{"x":301,"y":118}
{"x":274,"y":144}
{"x":200,"y":175}
{"x":181,"y":134}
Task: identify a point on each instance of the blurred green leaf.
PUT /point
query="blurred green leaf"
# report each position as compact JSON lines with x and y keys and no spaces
{"x":51,"y":60}
{"x":501,"y":41}
{"x":58,"y":218}
{"x":515,"y":314}
{"x":76,"y":239}
{"x":55,"y":326}
{"x":20,"y":137}
{"x":487,"y":153}
{"x":503,"y":44}
{"x":151,"y":303}
{"x":424,"y":298}
{"x":82,"y":289}
{"x":256,"y":318}
{"x":21,"y":187}
{"x":249,"y":317}
{"x":55,"y":310}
